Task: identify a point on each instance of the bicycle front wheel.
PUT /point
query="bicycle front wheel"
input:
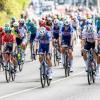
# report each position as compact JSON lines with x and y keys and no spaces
{"x":7,"y":73}
{"x":48,"y":81}
{"x":89,"y":76}
{"x":13,"y":75}
{"x":42,"y":76}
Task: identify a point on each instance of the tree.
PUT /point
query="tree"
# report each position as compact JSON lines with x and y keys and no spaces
{"x":2,"y":4}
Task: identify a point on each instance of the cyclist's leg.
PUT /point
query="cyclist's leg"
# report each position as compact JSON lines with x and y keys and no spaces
{"x":62,"y":55}
{"x":71,"y":59}
{"x":48,"y":60}
{"x":98,"y":66}
{"x":6,"y":56}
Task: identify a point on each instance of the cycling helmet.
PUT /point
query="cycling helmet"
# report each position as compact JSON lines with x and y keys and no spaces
{"x":56,"y":21}
{"x":1,"y":29}
{"x":66,"y":22}
{"x":42,"y":31}
{"x":89,"y":28}
{"x":8,"y":30}
{"x":15,"y":24}
{"x":42,"y":23}
{"x":88,"y":22}
{"x":13,"y":18}
{"x":21,"y":21}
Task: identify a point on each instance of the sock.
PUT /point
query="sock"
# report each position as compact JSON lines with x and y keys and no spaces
{"x":86,"y":64}
{"x":62,"y":58}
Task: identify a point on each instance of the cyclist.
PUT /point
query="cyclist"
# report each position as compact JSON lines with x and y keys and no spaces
{"x":2,"y":33}
{"x":98,"y":24}
{"x":32,"y":30}
{"x":9,"y":46}
{"x":56,"y":31}
{"x":67,"y":39}
{"x":13,"y":19}
{"x":45,"y":43}
{"x":98,"y":54}
{"x":20,"y":33}
{"x":89,"y":40}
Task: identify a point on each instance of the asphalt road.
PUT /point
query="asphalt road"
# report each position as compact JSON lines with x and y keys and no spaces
{"x":27,"y":83}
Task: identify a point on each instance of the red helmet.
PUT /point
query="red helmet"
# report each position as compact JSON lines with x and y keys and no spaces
{"x":1,"y":29}
{"x":42,"y":23}
{"x":47,"y":28}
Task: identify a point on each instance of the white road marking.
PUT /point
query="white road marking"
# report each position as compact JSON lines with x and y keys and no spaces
{"x":26,"y":90}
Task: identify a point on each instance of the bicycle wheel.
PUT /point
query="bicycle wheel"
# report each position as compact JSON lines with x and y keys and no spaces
{"x":93,"y":76}
{"x":54,"y":57}
{"x":13,"y":74}
{"x":65,"y":65}
{"x":89,"y":75}
{"x":68,"y":70}
{"x":32,"y":52}
{"x":42,"y":76}
{"x":7,"y":73}
{"x":48,"y":81}
{"x":20,"y":67}
{"x":58,"y":57}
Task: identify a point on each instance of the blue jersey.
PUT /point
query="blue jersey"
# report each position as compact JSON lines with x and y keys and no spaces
{"x":56,"y":30}
{"x":67,"y":35}
{"x":43,"y":39}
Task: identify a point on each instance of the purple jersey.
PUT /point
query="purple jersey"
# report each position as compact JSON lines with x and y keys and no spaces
{"x":90,"y":37}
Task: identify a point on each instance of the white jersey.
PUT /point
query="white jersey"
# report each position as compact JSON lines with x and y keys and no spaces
{"x":89,"y":37}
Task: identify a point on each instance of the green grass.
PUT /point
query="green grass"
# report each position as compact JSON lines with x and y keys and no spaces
{"x":12,"y":8}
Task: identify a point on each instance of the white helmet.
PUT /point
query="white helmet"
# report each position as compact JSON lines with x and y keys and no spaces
{"x":42,"y":31}
{"x":89,"y":28}
{"x":15,"y":24}
{"x":56,"y":21}
{"x":66,"y":22}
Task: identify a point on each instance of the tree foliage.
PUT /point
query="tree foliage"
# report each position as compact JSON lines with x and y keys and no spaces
{"x":9,"y":8}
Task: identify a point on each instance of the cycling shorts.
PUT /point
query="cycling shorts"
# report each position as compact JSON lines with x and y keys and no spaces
{"x":89,"y":45}
{"x":44,"y":48}
{"x":32,"y":37}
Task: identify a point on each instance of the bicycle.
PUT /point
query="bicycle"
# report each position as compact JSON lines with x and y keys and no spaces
{"x":19,"y":58}
{"x":56,"y":54}
{"x":91,"y":66}
{"x":9,"y":69}
{"x":66,"y":64}
{"x":44,"y":72}
{"x":33,"y":56}
{"x":1,"y":62}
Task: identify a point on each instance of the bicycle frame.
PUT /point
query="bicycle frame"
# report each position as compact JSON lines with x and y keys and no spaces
{"x":91,"y":66}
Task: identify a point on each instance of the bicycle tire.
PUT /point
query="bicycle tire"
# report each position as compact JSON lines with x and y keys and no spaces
{"x":55,"y":57}
{"x":7,"y":74}
{"x":65,"y":72}
{"x":68,"y":71}
{"x":42,"y":76}
{"x":13,"y":76}
{"x":48,"y":81}
{"x":93,"y":77}
{"x":20,"y":67}
{"x":89,"y":76}
{"x":32,"y":57}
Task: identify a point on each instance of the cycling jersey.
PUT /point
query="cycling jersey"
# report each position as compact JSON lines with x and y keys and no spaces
{"x":67,"y":35}
{"x":89,"y":37}
{"x":56,"y":31}
{"x":9,"y":38}
{"x":22,"y":31}
{"x":32,"y":29}
{"x":44,"y":42}
{"x":1,"y":37}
